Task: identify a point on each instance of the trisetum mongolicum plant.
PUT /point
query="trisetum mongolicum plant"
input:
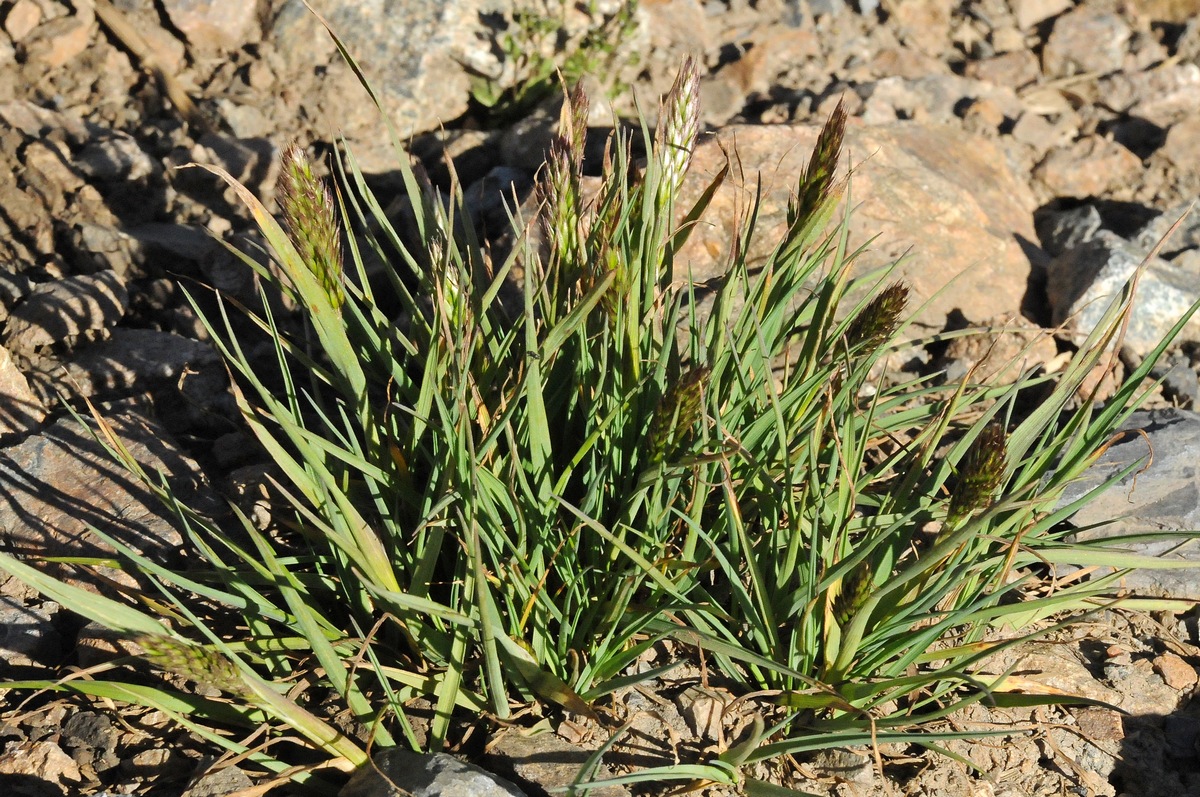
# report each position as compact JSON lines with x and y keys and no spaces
{"x":491,"y":509}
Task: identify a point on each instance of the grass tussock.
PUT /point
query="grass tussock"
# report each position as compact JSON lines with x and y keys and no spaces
{"x":492,"y":507}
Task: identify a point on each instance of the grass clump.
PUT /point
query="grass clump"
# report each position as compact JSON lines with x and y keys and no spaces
{"x":493,"y":506}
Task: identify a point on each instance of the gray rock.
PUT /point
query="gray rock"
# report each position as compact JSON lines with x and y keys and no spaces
{"x":547,"y":760}
{"x":219,"y":783}
{"x":61,"y":482}
{"x":396,"y":772}
{"x":1064,"y":230}
{"x":91,"y":738}
{"x":114,"y":157}
{"x":420,"y":75}
{"x":1186,"y":237}
{"x":65,"y":308}
{"x":135,"y":358}
{"x":1083,"y":281}
{"x":27,"y":634}
{"x":1165,"y":496}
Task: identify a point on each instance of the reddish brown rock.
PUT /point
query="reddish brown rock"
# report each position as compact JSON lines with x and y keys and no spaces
{"x":20,"y":409}
{"x":1088,"y":167}
{"x":1182,"y":146}
{"x":1175,"y":672}
{"x":945,"y":199}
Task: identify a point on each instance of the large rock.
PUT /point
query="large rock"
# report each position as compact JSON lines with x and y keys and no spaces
{"x":1085,"y":279}
{"x":941,"y":197}
{"x":1163,"y":495}
{"x":20,"y":408}
{"x":398,"y":772}
{"x":60,"y":483}
{"x":58,"y":310}
{"x":413,"y":54}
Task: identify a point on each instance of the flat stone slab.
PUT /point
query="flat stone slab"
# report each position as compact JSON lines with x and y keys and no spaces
{"x":1164,"y":496}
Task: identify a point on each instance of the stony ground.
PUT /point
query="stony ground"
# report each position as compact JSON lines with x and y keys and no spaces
{"x":1019,"y":141}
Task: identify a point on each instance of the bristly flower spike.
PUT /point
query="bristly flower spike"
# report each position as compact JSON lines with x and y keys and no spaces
{"x":678,"y":127}
{"x":818,"y":185}
{"x":559,"y":186}
{"x":677,"y":413}
{"x":981,"y":475}
{"x":877,"y":322}
{"x":311,"y":218}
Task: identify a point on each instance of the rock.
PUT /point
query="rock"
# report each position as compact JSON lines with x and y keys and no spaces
{"x":213,"y":24}
{"x":27,"y":634}
{"x":1087,"y":168}
{"x":59,"y":41}
{"x":1015,"y":69}
{"x":1008,"y":347}
{"x":547,"y":761}
{"x":1083,"y":281}
{"x":1180,"y":383}
{"x":923,"y":24}
{"x":397,"y":772}
{"x":1086,"y":39}
{"x":22,"y":17}
{"x":1185,"y":237}
{"x":1182,"y":146}
{"x":932,"y":99}
{"x":41,"y":761}
{"x":224,"y":781}
{"x":115,"y":157}
{"x":1031,"y":12}
{"x":1162,"y":96}
{"x":20,"y":408}
{"x":1041,"y":135}
{"x":930,"y":192}
{"x":1161,"y":496}
{"x":845,"y":766}
{"x":420,"y":76}
{"x":135,"y":358}
{"x":1175,"y":672}
{"x":1060,"y":231}
{"x":61,"y":481}
{"x":489,"y":200}
{"x":66,"y":308}
{"x":13,"y":288}
{"x":91,"y":739}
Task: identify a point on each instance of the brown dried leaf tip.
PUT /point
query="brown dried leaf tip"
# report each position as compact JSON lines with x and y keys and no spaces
{"x":981,"y":474}
{"x":312,"y":219}
{"x":877,"y":322}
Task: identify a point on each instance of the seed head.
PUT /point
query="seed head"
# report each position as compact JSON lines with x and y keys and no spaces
{"x":194,"y":662}
{"x":677,"y":413}
{"x":877,"y":322}
{"x":679,"y":124}
{"x":981,"y":475}
{"x":311,"y":218}
{"x":856,"y":589}
{"x":818,"y":185}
